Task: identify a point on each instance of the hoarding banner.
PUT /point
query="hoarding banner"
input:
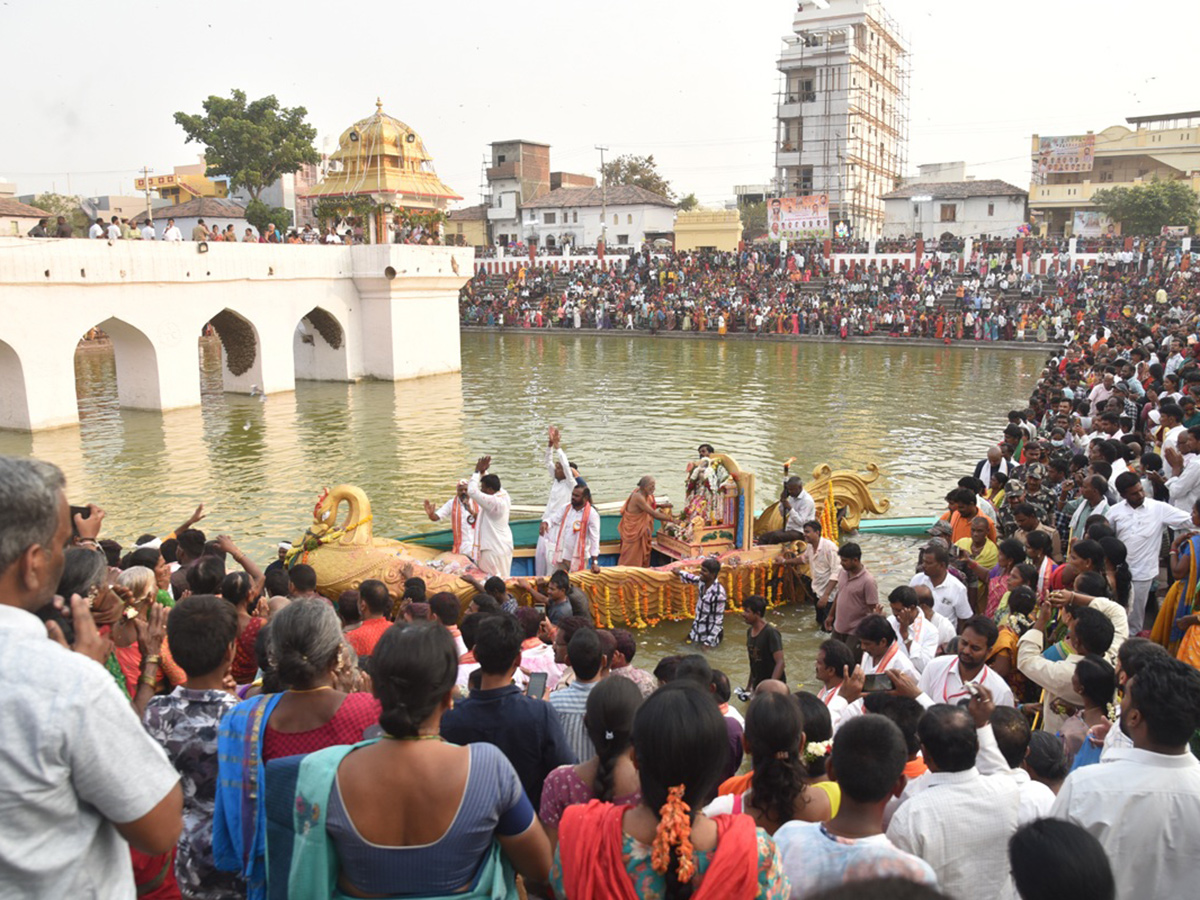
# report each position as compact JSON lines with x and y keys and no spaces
{"x":1092,"y":223}
{"x":798,"y":217}
{"x":1174,"y":230}
{"x":1066,"y":153}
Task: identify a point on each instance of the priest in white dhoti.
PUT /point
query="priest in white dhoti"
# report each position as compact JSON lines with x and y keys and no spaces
{"x":574,"y":533}
{"x":463,"y":513}
{"x":493,"y":540}
{"x":559,"y":468}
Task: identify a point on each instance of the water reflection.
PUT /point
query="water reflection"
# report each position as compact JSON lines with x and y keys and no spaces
{"x":627,"y":407}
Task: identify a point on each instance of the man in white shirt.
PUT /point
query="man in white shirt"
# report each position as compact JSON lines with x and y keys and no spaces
{"x":916,"y":634}
{"x":1094,"y":491}
{"x":949,"y":594}
{"x":961,"y":822}
{"x":945,"y":679}
{"x":797,"y":506}
{"x":882,"y":649}
{"x":1143,"y":804}
{"x":97,"y":230}
{"x":823,"y":566}
{"x":835,"y":663}
{"x":494,"y":540}
{"x":79,"y":775}
{"x":172,"y":232}
{"x":559,"y":468}
{"x":1011,"y":733}
{"x":463,"y":513}
{"x":945,"y":631}
{"x":1139,"y":521}
{"x":1183,"y":466}
{"x":147,"y":231}
{"x":575,"y":533}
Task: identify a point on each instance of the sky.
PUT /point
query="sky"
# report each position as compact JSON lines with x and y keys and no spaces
{"x":92,"y":87}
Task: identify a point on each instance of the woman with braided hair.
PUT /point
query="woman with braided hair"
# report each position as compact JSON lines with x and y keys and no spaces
{"x":665,"y":847}
{"x":610,"y":774}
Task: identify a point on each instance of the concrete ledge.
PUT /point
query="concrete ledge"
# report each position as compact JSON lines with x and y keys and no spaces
{"x":885,"y":340}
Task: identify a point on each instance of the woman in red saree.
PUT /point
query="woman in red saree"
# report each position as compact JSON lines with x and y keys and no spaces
{"x":665,"y":844}
{"x":243,"y":592}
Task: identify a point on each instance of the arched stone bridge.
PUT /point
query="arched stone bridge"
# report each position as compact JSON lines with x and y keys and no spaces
{"x":282,"y":312}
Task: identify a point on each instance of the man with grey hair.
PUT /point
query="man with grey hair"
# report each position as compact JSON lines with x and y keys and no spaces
{"x":79,"y":776}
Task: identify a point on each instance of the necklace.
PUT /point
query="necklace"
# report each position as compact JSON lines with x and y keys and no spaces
{"x":324,"y":687}
{"x":413,"y":737}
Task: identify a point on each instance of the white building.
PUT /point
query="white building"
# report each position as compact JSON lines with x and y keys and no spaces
{"x":16,"y":218}
{"x":842,"y":121}
{"x":955,"y":208}
{"x":576,"y":216}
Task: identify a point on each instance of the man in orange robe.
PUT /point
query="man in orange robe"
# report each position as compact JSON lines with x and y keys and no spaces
{"x":637,"y":524}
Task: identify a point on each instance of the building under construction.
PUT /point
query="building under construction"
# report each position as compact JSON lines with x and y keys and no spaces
{"x":842,"y":125}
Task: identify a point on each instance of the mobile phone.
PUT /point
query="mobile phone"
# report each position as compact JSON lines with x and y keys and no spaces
{"x":537,"y":685}
{"x":872,"y":683}
{"x":84,"y":512}
{"x":973,"y":688}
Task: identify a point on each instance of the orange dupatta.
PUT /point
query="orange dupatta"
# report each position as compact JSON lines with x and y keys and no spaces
{"x":589,"y":847}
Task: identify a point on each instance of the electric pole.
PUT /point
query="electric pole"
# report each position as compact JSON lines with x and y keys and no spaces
{"x":603,"y":199}
{"x":146,"y":170}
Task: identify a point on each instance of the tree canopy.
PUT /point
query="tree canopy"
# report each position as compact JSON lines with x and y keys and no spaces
{"x":252,"y":143}
{"x":640,"y":171}
{"x":1146,"y":208}
{"x":754,"y":219}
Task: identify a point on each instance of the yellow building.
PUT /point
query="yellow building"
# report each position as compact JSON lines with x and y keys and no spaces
{"x":466,"y":227}
{"x":185,"y":183}
{"x":382,"y":159}
{"x":1069,"y":169}
{"x":708,"y":229}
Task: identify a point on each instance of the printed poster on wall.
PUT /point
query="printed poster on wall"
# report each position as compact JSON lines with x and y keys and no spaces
{"x":1093,"y":223}
{"x":798,"y":217}
{"x":1066,"y":153}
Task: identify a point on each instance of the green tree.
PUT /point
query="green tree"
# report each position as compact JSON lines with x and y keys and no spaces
{"x":1146,"y":208}
{"x":63,"y":205}
{"x":754,"y":220}
{"x":640,"y":171}
{"x":253,"y":143}
{"x":259,"y":214}
{"x":688,"y":203}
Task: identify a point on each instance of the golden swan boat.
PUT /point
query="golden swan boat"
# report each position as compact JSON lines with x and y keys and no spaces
{"x":343,"y":550}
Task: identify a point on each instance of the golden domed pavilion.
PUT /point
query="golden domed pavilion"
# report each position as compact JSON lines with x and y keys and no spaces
{"x":383,"y":168}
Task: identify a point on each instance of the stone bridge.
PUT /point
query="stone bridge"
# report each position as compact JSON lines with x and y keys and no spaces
{"x":282,"y":312}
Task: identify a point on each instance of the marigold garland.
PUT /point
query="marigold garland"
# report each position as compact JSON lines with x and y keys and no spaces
{"x":674,"y":829}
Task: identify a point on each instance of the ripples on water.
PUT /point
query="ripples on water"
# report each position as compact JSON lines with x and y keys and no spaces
{"x":627,"y":407}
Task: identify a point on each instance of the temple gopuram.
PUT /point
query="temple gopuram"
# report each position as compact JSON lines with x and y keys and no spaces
{"x":381,"y":178}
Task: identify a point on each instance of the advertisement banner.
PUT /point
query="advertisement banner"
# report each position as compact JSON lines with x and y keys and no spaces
{"x":1093,"y":223}
{"x":1066,"y":153}
{"x":1174,"y":231}
{"x":798,"y":217}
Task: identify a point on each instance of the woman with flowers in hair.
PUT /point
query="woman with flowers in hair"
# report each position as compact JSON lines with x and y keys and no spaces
{"x":666,"y":848}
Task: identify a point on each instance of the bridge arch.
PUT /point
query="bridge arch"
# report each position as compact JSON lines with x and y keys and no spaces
{"x":241,"y":352}
{"x":14,"y":402}
{"x":319,"y":347}
{"x":138,"y":379}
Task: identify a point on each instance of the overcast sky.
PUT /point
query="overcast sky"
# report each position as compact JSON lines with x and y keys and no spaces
{"x":91,"y":87}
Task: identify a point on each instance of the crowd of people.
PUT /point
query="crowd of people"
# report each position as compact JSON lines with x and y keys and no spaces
{"x":761,"y":291}
{"x":1018,"y":720}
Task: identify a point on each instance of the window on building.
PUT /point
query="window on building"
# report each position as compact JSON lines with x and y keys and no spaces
{"x":949,"y":212}
{"x":549,"y":218}
{"x":622,"y":239}
{"x":629,"y":218}
{"x":575,"y":217}
{"x":808,"y":93}
{"x":499,"y":158}
{"x":806,"y":179}
{"x":991,"y":209}
{"x":614,"y":218}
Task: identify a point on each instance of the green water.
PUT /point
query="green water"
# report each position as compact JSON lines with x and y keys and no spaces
{"x":627,"y":407}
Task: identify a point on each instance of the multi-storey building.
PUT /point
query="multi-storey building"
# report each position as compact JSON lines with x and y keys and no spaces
{"x":842,"y":122}
{"x":1069,"y":169}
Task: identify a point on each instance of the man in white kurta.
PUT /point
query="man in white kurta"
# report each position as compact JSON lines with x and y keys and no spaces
{"x":463,"y":514}
{"x":494,"y":540}
{"x":574,"y":533}
{"x":559,"y":468}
